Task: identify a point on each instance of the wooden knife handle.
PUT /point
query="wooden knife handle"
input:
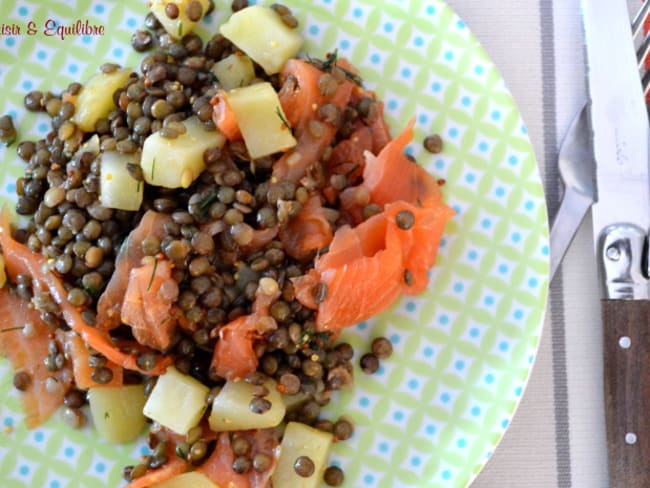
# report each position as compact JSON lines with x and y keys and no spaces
{"x":626,"y":326}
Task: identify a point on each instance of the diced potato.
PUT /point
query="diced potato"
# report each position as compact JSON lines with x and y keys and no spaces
{"x":234,"y":71}
{"x":177,"y":401}
{"x":176,"y":163}
{"x":118,"y":189}
{"x":95,"y":100}
{"x":117,"y":411}
{"x":294,"y":401}
{"x":230,"y":408}
{"x":181,"y":25}
{"x":261,"y":34}
{"x":91,"y":146}
{"x":261,"y":120}
{"x":301,"y":440}
{"x":192,"y":479}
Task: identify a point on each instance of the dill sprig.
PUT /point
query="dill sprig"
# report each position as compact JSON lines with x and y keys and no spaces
{"x":330,"y":62}
{"x":282,"y":118}
{"x":153,"y":274}
{"x":11,"y":329}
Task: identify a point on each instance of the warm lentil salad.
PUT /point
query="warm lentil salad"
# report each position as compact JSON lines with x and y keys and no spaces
{"x":198,"y":235}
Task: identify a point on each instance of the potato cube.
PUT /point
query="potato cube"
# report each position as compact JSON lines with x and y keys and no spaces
{"x":261,"y":34}
{"x":230,"y":408}
{"x":301,"y":440}
{"x":177,"y":401}
{"x":176,"y":163}
{"x":261,"y":120}
{"x":117,"y":411}
{"x":182,"y":24}
{"x":234,"y":71}
{"x":117,"y":188}
{"x":95,"y":100}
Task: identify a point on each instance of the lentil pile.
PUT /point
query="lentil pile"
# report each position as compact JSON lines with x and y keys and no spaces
{"x":217,"y":280}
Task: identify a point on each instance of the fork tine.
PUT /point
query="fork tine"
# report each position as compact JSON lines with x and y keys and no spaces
{"x":640,"y":17}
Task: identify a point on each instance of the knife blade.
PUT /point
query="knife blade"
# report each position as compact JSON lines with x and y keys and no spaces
{"x":621,"y":219}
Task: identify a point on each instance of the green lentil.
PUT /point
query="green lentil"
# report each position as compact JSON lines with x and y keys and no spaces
{"x":241,"y":465}
{"x":382,"y":347}
{"x":304,"y":466}
{"x":102,"y":375}
{"x":171,"y":10}
{"x":405,"y":219}
{"x":343,"y":430}
{"x":333,"y":476}
{"x":76,"y":297}
{"x":433,"y":143}
{"x":369,"y":363}
{"x":21,"y":380}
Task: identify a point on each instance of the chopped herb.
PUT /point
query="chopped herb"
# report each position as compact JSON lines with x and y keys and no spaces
{"x":207,"y":201}
{"x":153,"y":167}
{"x":181,"y":452}
{"x":319,"y":340}
{"x":107,"y":415}
{"x":354,"y":78}
{"x":325,"y":65}
{"x":153,"y":274}
{"x":352,"y":170}
{"x":330,"y":61}
{"x":137,"y":188}
{"x":282,"y":117}
{"x":9,"y":142}
{"x":180,"y":29}
{"x":91,"y":291}
{"x":11,"y":329}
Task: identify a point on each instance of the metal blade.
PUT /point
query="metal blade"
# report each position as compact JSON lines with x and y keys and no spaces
{"x":620,"y":129}
{"x":619,"y":118}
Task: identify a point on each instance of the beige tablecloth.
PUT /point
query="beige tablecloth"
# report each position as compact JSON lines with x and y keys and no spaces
{"x":557,"y":437}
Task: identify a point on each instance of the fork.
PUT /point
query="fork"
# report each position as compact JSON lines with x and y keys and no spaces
{"x":576,"y":162}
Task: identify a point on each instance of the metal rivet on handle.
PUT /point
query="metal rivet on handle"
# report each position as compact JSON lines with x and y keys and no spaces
{"x":613,"y":253}
{"x":625,"y":342}
{"x":630,"y":438}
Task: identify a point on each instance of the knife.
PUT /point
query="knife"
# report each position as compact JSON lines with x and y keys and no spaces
{"x":621,"y":220}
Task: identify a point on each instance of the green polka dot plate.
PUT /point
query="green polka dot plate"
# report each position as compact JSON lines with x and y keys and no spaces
{"x":434,"y":412}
